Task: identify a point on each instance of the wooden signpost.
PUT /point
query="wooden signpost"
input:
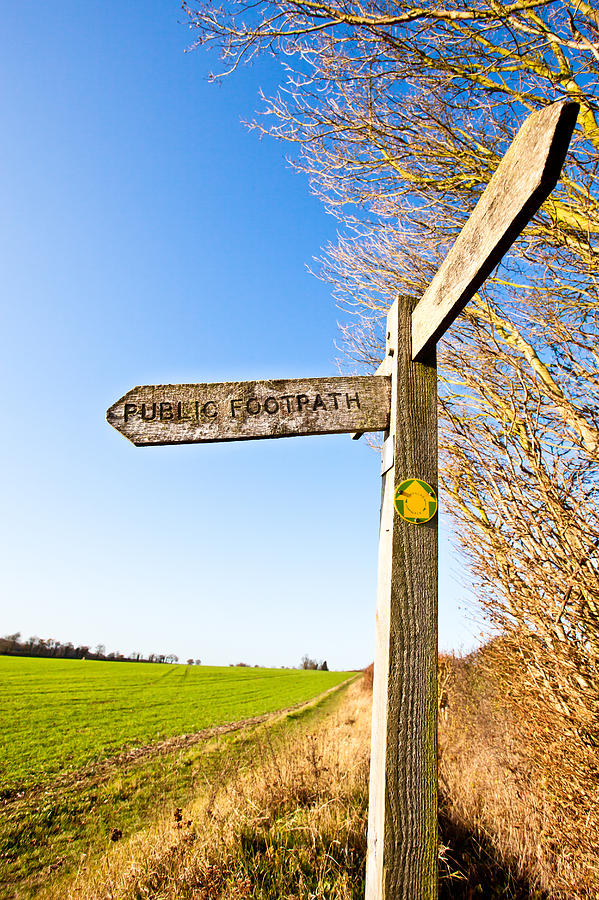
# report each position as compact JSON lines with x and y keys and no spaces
{"x":244,"y":410}
{"x":401,"y":399}
{"x":402,"y":818}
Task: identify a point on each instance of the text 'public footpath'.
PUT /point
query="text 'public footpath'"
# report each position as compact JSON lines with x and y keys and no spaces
{"x":238,"y":407}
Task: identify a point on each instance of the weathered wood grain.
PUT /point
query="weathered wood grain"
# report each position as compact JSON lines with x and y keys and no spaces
{"x":402,"y":819}
{"x":245,"y":410}
{"x":523,"y":180}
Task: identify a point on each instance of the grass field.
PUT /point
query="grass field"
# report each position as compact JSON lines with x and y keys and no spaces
{"x":64,"y":784}
{"x":58,"y":715}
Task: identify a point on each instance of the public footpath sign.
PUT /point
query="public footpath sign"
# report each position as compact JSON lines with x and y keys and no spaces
{"x":243,"y":410}
{"x":401,"y":400}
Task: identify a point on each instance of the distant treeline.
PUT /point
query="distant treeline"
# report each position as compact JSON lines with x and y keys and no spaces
{"x":15,"y":645}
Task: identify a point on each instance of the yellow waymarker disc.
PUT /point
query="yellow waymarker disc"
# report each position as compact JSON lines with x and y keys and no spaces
{"x":415,"y":501}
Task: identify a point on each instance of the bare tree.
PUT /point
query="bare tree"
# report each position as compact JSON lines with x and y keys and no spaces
{"x":308,"y":663}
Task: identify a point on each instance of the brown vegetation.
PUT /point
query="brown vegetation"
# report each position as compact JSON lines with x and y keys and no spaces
{"x":513,"y":775}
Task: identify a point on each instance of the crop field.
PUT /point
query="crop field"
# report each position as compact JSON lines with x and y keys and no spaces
{"x":66,"y":786}
{"x":58,"y":715}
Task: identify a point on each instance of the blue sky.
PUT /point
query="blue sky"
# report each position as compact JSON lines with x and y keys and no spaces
{"x":149,"y":238}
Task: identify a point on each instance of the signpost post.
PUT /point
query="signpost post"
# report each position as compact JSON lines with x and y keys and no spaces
{"x":400,"y":399}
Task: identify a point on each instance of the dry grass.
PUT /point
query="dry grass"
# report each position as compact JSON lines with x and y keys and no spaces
{"x":511,"y":774}
{"x":289,"y":821}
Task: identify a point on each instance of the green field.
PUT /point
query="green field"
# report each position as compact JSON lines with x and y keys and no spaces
{"x":64,"y":786}
{"x":59,"y":715}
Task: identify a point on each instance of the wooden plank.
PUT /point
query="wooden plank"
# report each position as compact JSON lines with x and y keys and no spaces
{"x":402,"y":819}
{"x":245,"y":410}
{"x":523,"y":180}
